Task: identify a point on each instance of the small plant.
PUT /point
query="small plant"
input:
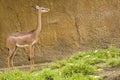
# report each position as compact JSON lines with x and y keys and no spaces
{"x":114,"y":62}
{"x":16,"y":75}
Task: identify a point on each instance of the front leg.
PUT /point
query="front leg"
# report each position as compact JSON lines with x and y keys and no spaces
{"x":31,"y":56}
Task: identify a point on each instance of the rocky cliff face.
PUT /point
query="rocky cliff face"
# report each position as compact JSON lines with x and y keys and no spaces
{"x":69,"y":26}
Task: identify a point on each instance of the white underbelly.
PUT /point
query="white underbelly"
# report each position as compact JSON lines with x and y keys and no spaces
{"x":22,"y":45}
{"x":25,"y":45}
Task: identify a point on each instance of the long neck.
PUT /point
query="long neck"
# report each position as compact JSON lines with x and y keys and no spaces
{"x":38,"y":29}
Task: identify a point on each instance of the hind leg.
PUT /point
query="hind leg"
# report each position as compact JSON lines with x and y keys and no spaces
{"x":10,"y":56}
{"x":11,"y":45}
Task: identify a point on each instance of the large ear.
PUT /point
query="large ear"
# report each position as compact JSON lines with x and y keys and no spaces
{"x":36,"y":7}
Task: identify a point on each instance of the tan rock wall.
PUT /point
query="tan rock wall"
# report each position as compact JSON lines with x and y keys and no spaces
{"x":69,"y":26}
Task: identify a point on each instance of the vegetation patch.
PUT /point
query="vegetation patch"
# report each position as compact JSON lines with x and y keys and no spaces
{"x":81,"y":66}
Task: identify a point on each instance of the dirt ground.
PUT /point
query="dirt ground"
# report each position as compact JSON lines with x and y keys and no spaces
{"x":110,"y":73}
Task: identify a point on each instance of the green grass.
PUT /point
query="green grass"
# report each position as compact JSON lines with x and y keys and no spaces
{"x":81,"y":66}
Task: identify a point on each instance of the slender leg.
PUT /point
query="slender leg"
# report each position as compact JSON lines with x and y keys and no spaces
{"x":31,"y":56}
{"x":11,"y":51}
{"x":12,"y":59}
